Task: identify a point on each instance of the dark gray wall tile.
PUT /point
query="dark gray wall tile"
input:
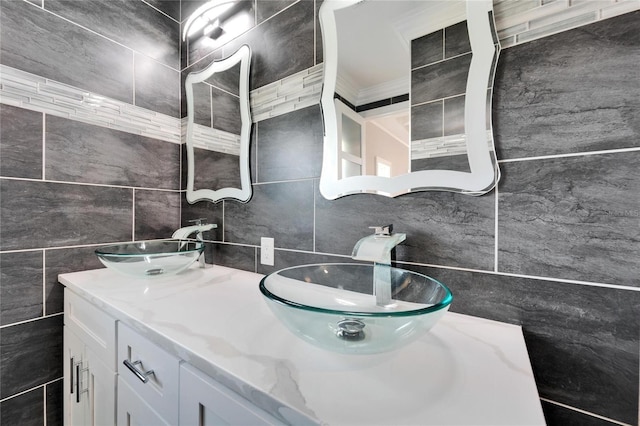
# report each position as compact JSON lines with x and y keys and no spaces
{"x":571,"y":92}
{"x":458,"y":163}
{"x":233,"y":256}
{"x":285,"y":259}
{"x":226,"y":111}
{"x":454,"y":115}
{"x":54,"y":403}
{"x":283,"y":211}
{"x":574,"y":218}
{"x":202,"y":104}
{"x":30,"y":355}
{"x":266,"y":9}
{"x":117,"y":157}
{"x":426,"y":121}
{"x":170,"y":7}
{"x":131,"y":23}
{"x":442,"y":228}
{"x":157,"y":86}
{"x":290,"y":146}
{"x":456,"y":40}
{"x":24,"y":410}
{"x":62,"y":215}
{"x":216,"y":170}
{"x":560,"y":416}
{"x":20,"y":286}
{"x":157,"y":214}
{"x":227,"y":80}
{"x":20,"y":142}
{"x":319,"y":46}
{"x":62,"y":261}
{"x":427,"y":49}
{"x":582,"y":340}
{"x":280,"y":46}
{"x":441,"y":80}
{"x":38,"y":42}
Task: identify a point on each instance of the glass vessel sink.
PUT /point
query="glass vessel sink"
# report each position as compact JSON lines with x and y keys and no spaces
{"x":333,"y":306}
{"x":150,"y":258}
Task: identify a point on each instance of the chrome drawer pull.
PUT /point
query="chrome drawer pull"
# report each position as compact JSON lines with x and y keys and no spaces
{"x":142,"y":375}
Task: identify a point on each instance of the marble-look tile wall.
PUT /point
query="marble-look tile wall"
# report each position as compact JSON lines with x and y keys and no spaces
{"x":69,"y":182}
{"x":554,"y":249}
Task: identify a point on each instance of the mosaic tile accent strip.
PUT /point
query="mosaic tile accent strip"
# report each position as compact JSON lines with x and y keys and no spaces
{"x":25,"y":90}
{"x":520,"y":21}
{"x":292,"y":93}
{"x":215,"y":140}
{"x":443,"y":146}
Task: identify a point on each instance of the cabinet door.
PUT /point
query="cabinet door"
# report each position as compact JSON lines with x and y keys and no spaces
{"x":76,"y":408}
{"x":89,"y":385}
{"x":205,"y":402}
{"x":133,"y":411}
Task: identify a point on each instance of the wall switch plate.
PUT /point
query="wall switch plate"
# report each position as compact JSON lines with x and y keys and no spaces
{"x":266,"y":251}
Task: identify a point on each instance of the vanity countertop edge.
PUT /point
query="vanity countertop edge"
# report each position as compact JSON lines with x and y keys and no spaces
{"x":466,"y":370}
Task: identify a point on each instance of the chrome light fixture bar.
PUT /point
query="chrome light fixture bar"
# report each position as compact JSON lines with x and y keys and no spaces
{"x":207,"y":19}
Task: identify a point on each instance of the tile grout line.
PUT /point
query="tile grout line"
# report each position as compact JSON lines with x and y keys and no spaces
{"x":44,"y":282}
{"x":2,"y":327}
{"x":588,"y":413}
{"x":103,"y":185}
{"x":44,"y":145}
{"x":32,"y":389}
{"x":572,"y":154}
{"x":495,"y":229}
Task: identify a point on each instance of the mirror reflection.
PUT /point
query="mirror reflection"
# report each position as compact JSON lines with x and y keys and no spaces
{"x":218,"y":130}
{"x":407,"y":96}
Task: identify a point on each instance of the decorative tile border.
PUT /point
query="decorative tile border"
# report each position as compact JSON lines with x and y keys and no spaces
{"x":205,"y":137}
{"x":443,"y":146}
{"x":520,"y":21}
{"x":292,"y":93}
{"x":29,"y":91}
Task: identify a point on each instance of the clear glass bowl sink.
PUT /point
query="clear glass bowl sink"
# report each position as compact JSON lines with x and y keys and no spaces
{"x":150,"y":258}
{"x":333,"y":306}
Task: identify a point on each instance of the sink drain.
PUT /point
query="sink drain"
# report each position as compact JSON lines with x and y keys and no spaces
{"x":350,"y":329}
{"x":154,"y":271}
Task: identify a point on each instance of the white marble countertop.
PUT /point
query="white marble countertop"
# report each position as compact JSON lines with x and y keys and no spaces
{"x":465,"y":371}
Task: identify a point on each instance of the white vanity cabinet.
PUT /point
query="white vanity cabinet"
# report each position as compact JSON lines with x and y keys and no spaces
{"x":89,"y":364}
{"x":116,"y":376}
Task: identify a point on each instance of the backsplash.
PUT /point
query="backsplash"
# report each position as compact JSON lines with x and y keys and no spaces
{"x":567,"y":151}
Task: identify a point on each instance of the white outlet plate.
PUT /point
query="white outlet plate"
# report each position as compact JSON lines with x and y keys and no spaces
{"x":266,"y":251}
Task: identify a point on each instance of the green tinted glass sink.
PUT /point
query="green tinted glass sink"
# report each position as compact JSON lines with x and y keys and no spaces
{"x":150,"y":258}
{"x":333,"y":306}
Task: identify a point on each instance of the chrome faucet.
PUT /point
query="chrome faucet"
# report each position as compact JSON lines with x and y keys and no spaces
{"x":198,"y":229}
{"x":377,"y":248}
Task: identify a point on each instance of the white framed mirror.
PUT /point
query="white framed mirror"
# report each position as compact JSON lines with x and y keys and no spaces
{"x":219,"y":130}
{"x":392,"y":122}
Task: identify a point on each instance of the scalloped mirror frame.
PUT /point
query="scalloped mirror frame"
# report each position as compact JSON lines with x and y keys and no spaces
{"x":243,"y":194}
{"x":484,"y":173}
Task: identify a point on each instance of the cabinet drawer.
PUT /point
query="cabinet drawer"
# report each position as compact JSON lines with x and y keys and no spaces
{"x":136,"y":357}
{"x":133,"y":411}
{"x":94,"y":327}
{"x":205,"y":402}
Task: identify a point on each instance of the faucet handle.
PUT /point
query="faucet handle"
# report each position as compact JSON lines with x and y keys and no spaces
{"x":382,"y":231}
{"x":199,"y":221}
